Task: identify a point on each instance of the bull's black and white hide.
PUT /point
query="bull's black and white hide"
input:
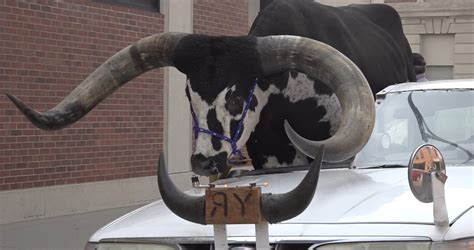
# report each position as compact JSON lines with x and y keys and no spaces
{"x":218,"y":100}
{"x":221,"y":70}
{"x":370,"y":35}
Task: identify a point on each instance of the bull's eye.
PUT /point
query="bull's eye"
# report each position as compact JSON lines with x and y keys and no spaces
{"x":234,"y":104}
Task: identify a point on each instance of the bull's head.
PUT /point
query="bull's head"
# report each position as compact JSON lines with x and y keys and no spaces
{"x":220,"y":73}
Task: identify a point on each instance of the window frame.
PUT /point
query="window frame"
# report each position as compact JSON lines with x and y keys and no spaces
{"x":132,"y":4}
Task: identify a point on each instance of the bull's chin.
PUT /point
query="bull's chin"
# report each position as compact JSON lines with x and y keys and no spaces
{"x":206,"y":172}
{"x":212,"y":170}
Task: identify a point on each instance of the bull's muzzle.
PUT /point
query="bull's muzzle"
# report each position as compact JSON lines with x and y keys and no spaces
{"x":211,"y":165}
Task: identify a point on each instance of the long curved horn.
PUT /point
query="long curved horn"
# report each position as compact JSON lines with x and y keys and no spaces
{"x":280,"y":207}
{"x":146,"y":54}
{"x":191,"y":208}
{"x":321,"y":61}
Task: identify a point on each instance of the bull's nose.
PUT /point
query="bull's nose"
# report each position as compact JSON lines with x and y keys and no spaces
{"x":203,"y":165}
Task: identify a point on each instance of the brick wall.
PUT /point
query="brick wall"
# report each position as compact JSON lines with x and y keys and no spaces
{"x":221,"y":17}
{"x":46,"y":48}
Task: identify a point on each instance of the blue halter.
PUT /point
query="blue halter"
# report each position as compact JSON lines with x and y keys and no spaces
{"x":238,"y":131}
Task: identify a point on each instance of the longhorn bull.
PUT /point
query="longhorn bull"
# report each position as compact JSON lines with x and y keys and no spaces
{"x":249,"y":57}
{"x":317,"y":89}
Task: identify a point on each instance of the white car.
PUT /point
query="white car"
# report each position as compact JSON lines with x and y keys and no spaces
{"x":365,"y":204}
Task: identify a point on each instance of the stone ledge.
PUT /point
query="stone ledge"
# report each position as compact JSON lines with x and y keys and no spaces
{"x":40,"y":203}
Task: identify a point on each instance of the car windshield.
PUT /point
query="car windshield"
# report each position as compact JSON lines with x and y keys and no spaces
{"x":405,"y":120}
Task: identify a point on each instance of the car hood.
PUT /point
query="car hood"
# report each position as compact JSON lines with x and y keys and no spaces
{"x":346,"y":200}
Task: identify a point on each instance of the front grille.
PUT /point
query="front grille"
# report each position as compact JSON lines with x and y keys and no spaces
{"x":281,"y":246}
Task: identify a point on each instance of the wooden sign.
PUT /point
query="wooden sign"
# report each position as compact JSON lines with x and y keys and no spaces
{"x":239,"y":205}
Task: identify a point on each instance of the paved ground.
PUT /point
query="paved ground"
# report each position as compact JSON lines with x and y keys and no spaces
{"x":61,"y":233}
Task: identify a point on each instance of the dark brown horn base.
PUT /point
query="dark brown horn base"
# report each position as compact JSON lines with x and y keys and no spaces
{"x":191,"y":208}
{"x":279,"y":207}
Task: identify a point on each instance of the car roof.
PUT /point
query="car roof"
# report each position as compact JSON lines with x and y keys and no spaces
{"x":430,"y":85}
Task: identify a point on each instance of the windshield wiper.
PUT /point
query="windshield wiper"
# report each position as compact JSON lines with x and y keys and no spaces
{"x":386,"y":166}
{"x":276,"y":170}
{"x":325,"y":165}
{"x":426,"y":132}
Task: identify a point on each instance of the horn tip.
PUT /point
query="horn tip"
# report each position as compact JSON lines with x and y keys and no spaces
{"x":18,"y":103}
{"x":34,"y":117}
{"x":12,"y":98}
{"x":299,"y":142}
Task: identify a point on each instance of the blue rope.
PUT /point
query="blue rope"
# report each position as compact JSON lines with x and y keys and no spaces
{"x":238,"y":131}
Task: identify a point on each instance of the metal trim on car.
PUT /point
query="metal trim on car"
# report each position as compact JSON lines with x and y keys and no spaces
{"x":273,"y":240}
{"x":431,"y":85}
{"x":367,"y":240}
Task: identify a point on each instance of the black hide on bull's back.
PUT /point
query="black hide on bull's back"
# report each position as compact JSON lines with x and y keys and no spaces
{"x":269,"y":138}
{"x":370,"y":35}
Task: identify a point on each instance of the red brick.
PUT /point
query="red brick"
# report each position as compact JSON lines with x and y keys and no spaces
{"x":224,"y":21}
{"x":25,"y":185}
{"x":48,"y":47}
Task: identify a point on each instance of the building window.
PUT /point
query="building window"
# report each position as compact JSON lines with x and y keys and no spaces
{"x":438,"y":51}
{"x":439,"y":72}
{"x":140,"y":4}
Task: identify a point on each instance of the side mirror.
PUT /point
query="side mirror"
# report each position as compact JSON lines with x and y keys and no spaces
{"x":426,"y":176}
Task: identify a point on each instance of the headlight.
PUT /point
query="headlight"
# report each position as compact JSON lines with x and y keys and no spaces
{"x":376,"y":246}
{"x":454,"y":245}
{"x":128,"y":246}
{"x":448,"y":245}
{"x":90,"y":246}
